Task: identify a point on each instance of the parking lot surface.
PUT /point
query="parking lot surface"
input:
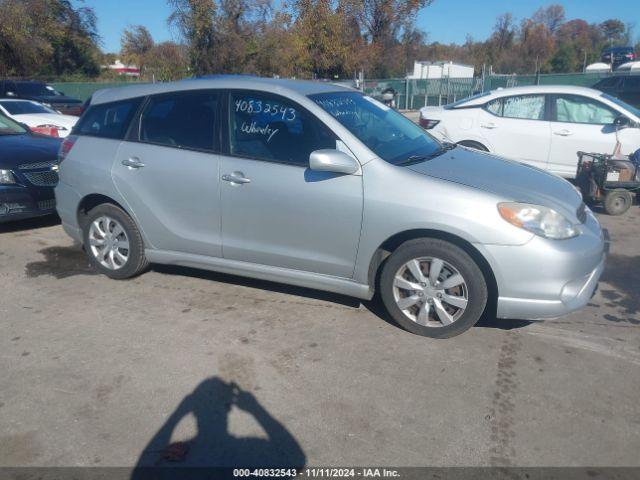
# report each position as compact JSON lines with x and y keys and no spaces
{"x":104,"y":372}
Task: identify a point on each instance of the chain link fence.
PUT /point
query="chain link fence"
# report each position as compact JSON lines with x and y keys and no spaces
{"x":414,"y":94}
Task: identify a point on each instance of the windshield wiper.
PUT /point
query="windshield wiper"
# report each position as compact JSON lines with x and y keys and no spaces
{"x":423,"y":158}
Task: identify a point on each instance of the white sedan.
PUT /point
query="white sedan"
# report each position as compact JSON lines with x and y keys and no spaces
{"x":544,"y":126}
{"x":38,"y":117}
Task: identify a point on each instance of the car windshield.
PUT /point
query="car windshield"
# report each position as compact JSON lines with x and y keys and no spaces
{"x":9,"y":127}
{"x":36,"y":89}
{"x":387,"y":133}
{"x":624,"y":105}
{"x":21,"y":108}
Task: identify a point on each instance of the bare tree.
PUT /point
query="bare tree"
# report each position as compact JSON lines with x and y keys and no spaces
{"x":551,"y":17}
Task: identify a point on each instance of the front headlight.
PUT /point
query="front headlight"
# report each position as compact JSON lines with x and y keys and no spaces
{"x":537,"y":219}
{"x":6,"y":177}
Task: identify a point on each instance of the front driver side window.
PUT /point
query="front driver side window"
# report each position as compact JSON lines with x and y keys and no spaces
{"x":272,"y":128}
{"x":576,"y":109}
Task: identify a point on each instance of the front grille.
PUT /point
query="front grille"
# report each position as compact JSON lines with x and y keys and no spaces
{"x":36,"y":166}
{"x":582,"y":213}
{"x":47,"y":204}
{"x":42,"y":179}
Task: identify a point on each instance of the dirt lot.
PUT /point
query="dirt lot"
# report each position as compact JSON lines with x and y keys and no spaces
{"x":103,"y":372}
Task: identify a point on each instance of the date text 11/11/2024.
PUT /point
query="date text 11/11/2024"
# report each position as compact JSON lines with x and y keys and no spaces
{"x":317,"y":473}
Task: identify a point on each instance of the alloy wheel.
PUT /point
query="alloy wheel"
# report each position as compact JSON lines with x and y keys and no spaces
{"x":109,"y":243}
{"x":430,"y":292}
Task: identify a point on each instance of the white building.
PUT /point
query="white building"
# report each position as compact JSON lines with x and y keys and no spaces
{"x":122,"y":69}
{"x":424,"y":70}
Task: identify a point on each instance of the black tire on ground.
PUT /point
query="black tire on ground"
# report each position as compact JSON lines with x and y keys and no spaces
{"x":473,"y":144}
{"x":457,"y":258}
{"x":617,"y":202}
{"x":136,"y":262}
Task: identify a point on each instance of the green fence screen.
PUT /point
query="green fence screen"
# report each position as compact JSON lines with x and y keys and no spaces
{"x":410,"y":94}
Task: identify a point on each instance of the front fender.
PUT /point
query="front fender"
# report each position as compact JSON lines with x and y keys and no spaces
{"x":398,"y":200}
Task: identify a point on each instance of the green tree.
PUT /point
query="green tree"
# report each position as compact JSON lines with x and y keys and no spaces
{"x":321,"y":49}
{"x":220,"y":35}
{"x":194,"y":19}
{"x":565,"y":59}
{"x":274,"y":52}
{"x":165,"y":61}
{"x":614,"y":31}
{"x":136,"y":42}
{"x":47,"y":37}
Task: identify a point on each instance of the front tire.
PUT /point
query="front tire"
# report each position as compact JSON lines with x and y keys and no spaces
{"x":433,"y":288}
{"x":113,"y":243}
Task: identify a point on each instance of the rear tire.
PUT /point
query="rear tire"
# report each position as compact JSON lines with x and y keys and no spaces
{"x":433,"y":288}
{"x":113,"y":242}
{"x":617,"y":202}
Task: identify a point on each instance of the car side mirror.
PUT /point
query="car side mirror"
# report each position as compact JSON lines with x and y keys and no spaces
{"x":621,"y":122}
{"x":333,"y":161}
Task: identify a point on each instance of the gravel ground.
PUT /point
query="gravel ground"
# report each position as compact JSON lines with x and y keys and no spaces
{"x":103,"y":372}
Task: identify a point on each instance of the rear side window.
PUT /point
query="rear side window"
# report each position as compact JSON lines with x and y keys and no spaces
{"x":108,"y":120}
{"x":495,"y":107}
{"x":525,"y":107}
{"x":528,"y":107}
{"x":183,"y":120}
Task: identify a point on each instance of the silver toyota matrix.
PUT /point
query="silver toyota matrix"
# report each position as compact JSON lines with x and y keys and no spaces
{"x":320,"y":186}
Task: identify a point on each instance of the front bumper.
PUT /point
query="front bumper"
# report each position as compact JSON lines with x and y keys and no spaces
{"x":18,"y":202}
{"x":548,"y":278}
{"x":573,"y":296}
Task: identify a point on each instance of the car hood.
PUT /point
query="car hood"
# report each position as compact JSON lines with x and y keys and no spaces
{"x":35,"y":119}
{"x":19,"y":149}
{"x":508,"y":179}
{"x":52,"y":99}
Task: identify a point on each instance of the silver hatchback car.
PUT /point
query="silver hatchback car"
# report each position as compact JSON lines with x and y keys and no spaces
{"x":319,"y":186}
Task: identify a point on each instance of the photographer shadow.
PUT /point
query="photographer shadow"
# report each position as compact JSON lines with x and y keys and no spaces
{"x":213,"y":445}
